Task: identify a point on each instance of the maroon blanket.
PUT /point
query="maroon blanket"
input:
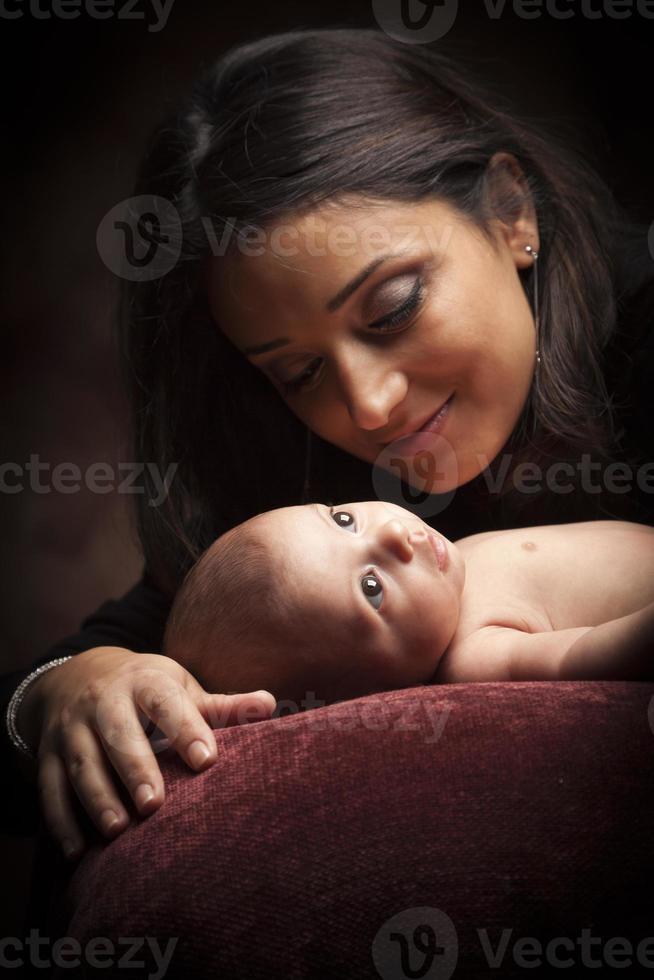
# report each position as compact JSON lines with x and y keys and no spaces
{"x":416,"y":833}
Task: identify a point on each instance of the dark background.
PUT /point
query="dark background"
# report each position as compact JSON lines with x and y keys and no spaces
{"x":79,"y":99}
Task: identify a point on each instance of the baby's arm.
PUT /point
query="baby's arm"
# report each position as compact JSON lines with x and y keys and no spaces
{"x":620,"y":649}
{"x":503,"y":653}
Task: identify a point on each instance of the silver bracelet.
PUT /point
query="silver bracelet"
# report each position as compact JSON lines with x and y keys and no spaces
{"x":12,"y":710}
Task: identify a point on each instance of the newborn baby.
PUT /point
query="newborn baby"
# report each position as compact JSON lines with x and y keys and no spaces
{"x":347,"y":600}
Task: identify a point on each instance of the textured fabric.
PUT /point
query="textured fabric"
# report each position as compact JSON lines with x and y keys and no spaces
{"x":527,"y":807}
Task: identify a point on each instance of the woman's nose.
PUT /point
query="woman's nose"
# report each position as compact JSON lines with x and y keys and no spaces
{"x":371,"y":392}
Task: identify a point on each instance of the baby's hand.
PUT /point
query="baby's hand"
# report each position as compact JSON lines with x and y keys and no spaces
{"x":84,"y":717}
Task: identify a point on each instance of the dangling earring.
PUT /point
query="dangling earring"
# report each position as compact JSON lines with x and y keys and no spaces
{"x":534,"y":255}
{"x":307,"y":469}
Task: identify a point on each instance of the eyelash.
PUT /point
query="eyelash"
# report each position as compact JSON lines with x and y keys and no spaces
{"x":398,"y":316}
{"x":371,"y":573}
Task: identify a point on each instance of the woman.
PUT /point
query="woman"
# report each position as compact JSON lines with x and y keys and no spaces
{"x":410,"y":248}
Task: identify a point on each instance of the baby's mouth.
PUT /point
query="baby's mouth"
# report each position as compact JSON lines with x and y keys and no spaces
{"x":439,"y":547}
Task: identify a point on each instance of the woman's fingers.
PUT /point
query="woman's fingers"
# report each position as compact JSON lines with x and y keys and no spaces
{"x":107,"y":720}
{"x":56,"y":804}
{"x":174,"y":711}
{"x":130,"y":753}
{"x":89,"y":774}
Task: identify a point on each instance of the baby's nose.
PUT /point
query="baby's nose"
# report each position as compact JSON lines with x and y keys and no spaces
{"x":398,"y":537}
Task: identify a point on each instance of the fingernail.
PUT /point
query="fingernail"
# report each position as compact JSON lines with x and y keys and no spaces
{"x":109,"y":820}
{"x":198,"y":753}
{"x":70,"y":848}
{"x":143,"y":795}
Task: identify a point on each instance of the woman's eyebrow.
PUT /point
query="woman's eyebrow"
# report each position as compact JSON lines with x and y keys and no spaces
{"x":331,"y":305}
{"x":264,"y":348}
{"x":337,"y":301}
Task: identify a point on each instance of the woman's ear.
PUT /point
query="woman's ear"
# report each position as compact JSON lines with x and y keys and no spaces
{"x":509,"y":206}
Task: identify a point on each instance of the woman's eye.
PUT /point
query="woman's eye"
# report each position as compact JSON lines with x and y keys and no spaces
{"x":302,"y":380}
{"x":403,"y":312}
{"x":387,"y":324}
{"x":372,"y":589}
{"x":338,"y":516}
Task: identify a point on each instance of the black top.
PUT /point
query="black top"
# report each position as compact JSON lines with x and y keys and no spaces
{"x":137,"y":620}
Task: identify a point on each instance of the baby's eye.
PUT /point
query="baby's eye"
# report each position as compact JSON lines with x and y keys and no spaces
{"x":373,"y":590}
{"x":341,"y":516}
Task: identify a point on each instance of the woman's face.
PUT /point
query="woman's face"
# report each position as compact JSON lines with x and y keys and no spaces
{"x":368,"y":318}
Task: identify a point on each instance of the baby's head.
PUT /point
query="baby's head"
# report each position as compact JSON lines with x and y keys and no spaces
{"x":340,"y":601}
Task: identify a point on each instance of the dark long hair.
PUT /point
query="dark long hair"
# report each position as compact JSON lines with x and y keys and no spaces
{"x":274,"y":127}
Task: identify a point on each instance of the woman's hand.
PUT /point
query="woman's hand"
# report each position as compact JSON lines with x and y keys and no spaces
{"x":84,"y":717}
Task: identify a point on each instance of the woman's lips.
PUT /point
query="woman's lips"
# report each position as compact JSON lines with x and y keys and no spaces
{"x":436,"y":421}
{"x":408,"y":445}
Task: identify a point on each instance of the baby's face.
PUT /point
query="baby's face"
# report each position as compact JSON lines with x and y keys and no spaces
{"x":375,"y":579}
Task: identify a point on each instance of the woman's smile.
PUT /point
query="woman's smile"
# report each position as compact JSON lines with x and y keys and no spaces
{"x":420,"y":437}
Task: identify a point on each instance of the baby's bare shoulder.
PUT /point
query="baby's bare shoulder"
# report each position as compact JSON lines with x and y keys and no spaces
{"x":609,"y":527}
{"x":559,"y":545}
{"x":556,"y":576}
{"x":482,"y":655}
{"x":487,"y":539}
